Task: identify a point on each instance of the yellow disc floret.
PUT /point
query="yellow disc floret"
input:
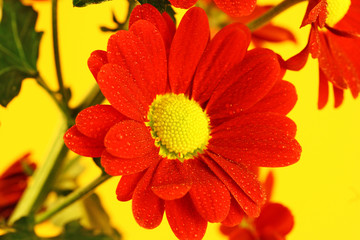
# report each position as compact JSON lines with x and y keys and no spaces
{"x":179,"y":126}
{"x":336,"y":10}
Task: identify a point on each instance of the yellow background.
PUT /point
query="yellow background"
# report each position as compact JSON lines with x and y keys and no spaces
{"x":322,"y":190}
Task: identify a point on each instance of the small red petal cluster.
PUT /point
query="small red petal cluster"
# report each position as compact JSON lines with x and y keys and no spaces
{"x":274,"y":223}
{"x":242,"y":93}
{"x":234,"y":8}
{"x":336,"y":48}
{"x":13,"y":182}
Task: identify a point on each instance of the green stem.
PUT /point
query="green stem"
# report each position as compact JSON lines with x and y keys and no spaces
{"x":71,"y":198}
{"x":273,"y":12}
{"x":54,"y":7}
{"x":60,"y":104}
{"x":43,"y":179}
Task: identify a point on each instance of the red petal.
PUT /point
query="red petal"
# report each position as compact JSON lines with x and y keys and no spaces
{"x":248,"y":205}
{"x":323,"y":90}
{"x":187,"y":48}
{"x":147,"y":208}
{"x":10,"y":199}
{"x":255,"y":123}
{"x":246,"y":180}
{"x":170,"y":180}
{"x":235,"y":216}
{"x":281,"y":99}
{"x":96,"y":60}
{"x":127,"y":50}
{"x":6,"y":212}
{"x":298,"y":61}
{"x":183,"y":3}
{"x":184,"y":220}
{"x":150,"y":13}
{"x":17,"y":167}
{"x":118,"y":86}
{"x":209,"y":195}
{"x":263,"y":140}
{"x":316,"y":10}
{"x":314,"y":42}
{"x":227,"y":230}
{"x":129,"y":139}
{"x":224,"y":51}
{"x":338,"y":96}
{"x":268,"y":185}
{"x":127,"y":185}
{"x":170,"y":23}
{"x":124,"y":166}
{"x":273,"y":33}
{"x":276,"y":218}
{"x":95,"y":121}
{"x":13,"y":184}
{"x":83,"y":145}
{"x":330,"y":65}
{"x":152,"y":40}
{"x":347,"y":54}
{"x":236,"y":8}
{"x":245,"y":85}
{"x":243,"y":234}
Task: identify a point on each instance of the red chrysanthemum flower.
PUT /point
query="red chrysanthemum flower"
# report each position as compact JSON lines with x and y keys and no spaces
{"x":267,"y":33}
{"x":234,"y":8}
{"x":334,"y":41}
{"x":274,"y":223}
{"x":188,"y":117}
{"x":13,"y":182}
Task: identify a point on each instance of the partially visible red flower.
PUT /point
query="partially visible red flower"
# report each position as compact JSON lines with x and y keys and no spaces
{"x":267,"y":33}
{"x":274,"y":223}
{"x":13,"y":182}
{"x":334,"y":41}
{"x":234,"y":8}
{"x":189,"y":117}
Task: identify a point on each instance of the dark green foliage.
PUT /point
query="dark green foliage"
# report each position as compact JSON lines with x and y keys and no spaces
{"x":84,"y":3}
{"x":19,"y":48}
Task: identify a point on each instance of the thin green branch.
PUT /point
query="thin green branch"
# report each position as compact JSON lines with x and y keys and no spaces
{"x":273,"y":12}
{"x":54,"y":8}
{"x":64,"y":109}
{"x":71,"y":198}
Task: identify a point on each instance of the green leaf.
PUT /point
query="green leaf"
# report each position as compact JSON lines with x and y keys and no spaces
{"x":74,"y":231}
{"x":84,"y":3}
{"x":19,"y":48}
{"x":22,"y":229}
{"x":98,"y":218}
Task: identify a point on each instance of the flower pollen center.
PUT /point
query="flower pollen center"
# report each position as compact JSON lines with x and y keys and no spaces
{"x":337,"y":9}
{"x":179,"y":126}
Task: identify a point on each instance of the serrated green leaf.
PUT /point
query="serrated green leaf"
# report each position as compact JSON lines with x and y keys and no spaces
{"x":19,"y":48}
{"x":84,"y":3}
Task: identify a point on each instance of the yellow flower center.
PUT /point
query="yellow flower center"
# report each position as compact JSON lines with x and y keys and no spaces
{"x":179,"y":126}
{"x":337,"y":9}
